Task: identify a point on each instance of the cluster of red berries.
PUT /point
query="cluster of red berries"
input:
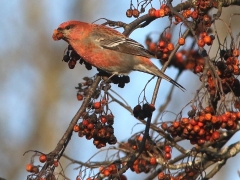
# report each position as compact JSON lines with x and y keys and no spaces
{"x":97,"y":126}
{"x":187,"y":60}
{"x":204,"y":38}
{"x":145,"y":162}
{"x":157,"y":13}
{"x":167,"y":152}
{"x":196,"y":14}
{"x":228,"y":67}
{"x":35,"y":169}
{"x":163,"y":48}
{"x":32,"y":169}
{"x":203,"y":126}
{"x":188,"y":174}
{"x":141,"y":164}
{"x":106,"y":172}
{"x":203,"y":5}
{"x":182,"y":59}
{"x":144,"y":111}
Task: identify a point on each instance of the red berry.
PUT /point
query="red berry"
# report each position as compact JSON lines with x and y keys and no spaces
{"x":176,"y":124}
{"x":55,"y":163}
{"x":153,"y":161}
{"x":181,"y":41}
{"x":161,"y":12}
{"x":167,"y":149}
{"x":42,"y":158}
{"x":103,"y":119}
{"x":135,"y":13}
{"x":90,"y":126}
{"x":29,"y":167}
{"x":170,"y":46}
{"x":106,"y":172}
{"x":96,"y":105}
{"x":79,"y":97}
{"x":201,"y":43}
{"x":151,"y":12}
{"x":161,"y":176}
{"x":198,"y":69}
{"x":166,"y":10}
{"x":76,"y":128}
{"x":129,"y":13}
{"x":215,"y":135}
{"x":207,"y":39}
{"x":164,"y":126}
{"x":167,"y":156}
{"x":85,"y":122}
{"x":157,"y":15}
{"x":161,"y":44}
{"x":194,"y":14}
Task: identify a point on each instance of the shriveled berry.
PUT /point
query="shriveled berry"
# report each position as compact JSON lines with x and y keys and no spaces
{"x":129,"y":13}
{"x":151,"y":12}
{"x":135,"y":13}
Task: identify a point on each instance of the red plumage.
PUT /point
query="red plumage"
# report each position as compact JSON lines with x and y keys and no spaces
{"x":108,"y":49}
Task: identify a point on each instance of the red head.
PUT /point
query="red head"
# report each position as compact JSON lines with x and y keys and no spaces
{"x":66,"y":30}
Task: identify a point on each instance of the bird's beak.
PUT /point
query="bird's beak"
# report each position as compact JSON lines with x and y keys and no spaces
{"x":57,"y":35}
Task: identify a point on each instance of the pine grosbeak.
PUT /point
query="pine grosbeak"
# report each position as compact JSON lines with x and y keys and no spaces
{"x":108,"y":49}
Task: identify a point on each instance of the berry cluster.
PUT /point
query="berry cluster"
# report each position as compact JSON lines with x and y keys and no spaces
{"x":197,"y":14}
{"x":163,"y":11}
{"x":203,"y":5}
{"x":34,"y":169}
{"x":105,"y":174}
{"x":167,"y":152}
{"x":97,"y":126}
{"x":204,"y":38}
{"x":227,"y":68}
{"x":144,"y":111}
{"x":187,"y":174}
{"x":162,"y":48}
{"x":182,"y":59}
{"x":106,"y":171}
{"x":132,"y":12}
{"x":148,"y":158}
{"x":203,"y":126}
{"x":140,"y":164}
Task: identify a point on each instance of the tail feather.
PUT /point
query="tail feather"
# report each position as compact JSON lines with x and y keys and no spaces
{"x":155,"y":71}
{"x":178,"y":85}
{"x":164,"y":76}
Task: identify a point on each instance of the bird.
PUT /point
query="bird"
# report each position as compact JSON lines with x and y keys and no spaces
{"x":108,"y":49}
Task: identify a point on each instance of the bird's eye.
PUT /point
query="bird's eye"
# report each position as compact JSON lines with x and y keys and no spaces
{"x":68,"y":27}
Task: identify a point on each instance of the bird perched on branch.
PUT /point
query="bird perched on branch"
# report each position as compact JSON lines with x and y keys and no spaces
{"x":108,"y":49}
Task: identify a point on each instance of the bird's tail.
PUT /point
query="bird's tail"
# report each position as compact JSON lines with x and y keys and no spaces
{"x":155,"y":71}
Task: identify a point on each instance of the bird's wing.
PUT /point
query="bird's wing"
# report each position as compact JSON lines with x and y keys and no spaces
{"x":111,"y":39}
{"x":126,"y":45}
